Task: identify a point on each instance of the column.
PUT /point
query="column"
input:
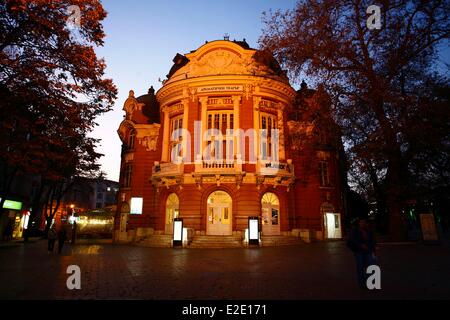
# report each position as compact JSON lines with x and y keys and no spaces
{"x":280,"y":121}
{"x":256,"y":101}
{"x":166,"y":137}
{"x":203,"y":102}
{"x":186,"y":153}
{"x":237,"y":126}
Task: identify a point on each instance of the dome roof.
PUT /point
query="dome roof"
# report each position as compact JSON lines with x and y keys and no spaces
{"x":151,"y":106}
{"x":224,"y":57}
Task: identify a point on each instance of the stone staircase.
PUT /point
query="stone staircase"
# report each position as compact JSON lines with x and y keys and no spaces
{"x":269,"y":241}
{"x":234,"y":241}
{"x":156,"y":240}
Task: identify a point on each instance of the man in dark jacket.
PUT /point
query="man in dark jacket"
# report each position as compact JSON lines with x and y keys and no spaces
{"x":361,"y":241}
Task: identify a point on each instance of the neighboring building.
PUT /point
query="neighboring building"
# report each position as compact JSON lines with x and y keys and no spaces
{"x":281,"y":166}
{"x":83,"y":196}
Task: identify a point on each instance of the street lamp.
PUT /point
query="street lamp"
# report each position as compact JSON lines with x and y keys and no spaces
{"x":253,"y":230}
{"x":177,"y":232}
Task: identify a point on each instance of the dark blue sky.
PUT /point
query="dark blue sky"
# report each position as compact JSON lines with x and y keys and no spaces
{"x":142,"y":37}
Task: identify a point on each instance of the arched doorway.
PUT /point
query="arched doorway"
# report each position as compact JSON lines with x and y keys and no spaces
{"x":124,"y":213}
{"x":270,"y":207}
{"x":218,"y":222}
{"x":172,"y":211}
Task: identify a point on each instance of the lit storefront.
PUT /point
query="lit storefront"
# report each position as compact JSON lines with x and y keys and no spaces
{"x":15,"y":217}
{"x":213,"y":147}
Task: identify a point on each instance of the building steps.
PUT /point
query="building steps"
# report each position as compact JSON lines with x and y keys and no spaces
{"x":268,"y":241}
{"x":156,"y":240}
{"x":207,"y":241}
{"x":234,"y":241}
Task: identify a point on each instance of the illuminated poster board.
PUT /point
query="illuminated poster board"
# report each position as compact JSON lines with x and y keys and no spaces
{"x":253,"y":230}
{"x":136,"y":205}
{"x":429,"y":230}
{"x":177,"y":232}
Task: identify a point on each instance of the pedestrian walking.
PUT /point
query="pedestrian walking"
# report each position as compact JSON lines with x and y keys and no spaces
{"x":52,"y":236}
{"x":62,"y":236}
{"x":361,"y":241}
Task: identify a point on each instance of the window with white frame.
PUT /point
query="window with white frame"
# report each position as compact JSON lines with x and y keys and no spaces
{"x":268,"y":123}
{"x":176,"y":137}
{"x":220,"y":125}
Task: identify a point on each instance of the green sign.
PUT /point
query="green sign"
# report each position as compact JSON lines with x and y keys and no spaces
{"x":14,"y":205}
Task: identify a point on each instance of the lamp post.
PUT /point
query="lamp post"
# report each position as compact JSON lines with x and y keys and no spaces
{"x":177,"y":232}
{"x":253,"y":231}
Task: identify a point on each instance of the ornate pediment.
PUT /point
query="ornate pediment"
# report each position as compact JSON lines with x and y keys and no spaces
{"x":220,"y":61}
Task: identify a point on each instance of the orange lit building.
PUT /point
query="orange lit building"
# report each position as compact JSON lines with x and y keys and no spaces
{"x":227,"y":138}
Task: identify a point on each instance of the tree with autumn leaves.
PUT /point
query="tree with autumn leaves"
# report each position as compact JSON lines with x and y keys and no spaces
{"x":52,"y":88}
{"x":390,"y":101}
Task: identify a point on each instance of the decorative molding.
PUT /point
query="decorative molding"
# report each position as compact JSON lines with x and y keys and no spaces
{"x":147,"y":135}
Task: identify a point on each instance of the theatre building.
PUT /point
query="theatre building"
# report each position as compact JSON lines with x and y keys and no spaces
{"x":226,"y":138}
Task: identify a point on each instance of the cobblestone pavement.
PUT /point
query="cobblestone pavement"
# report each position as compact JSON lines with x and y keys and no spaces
{"x":314,"y":271}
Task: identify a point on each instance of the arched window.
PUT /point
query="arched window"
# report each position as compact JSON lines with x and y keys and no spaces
{"x":172,"y":210}
{"x":270,"y":209}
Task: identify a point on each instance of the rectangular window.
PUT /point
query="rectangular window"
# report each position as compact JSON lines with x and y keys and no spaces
{"x":224,"y":123}
{"x":324,"y":174}
{"x":176,"y":137}
{"x":127,"y":176}
{"x":267,"y":124}
{"x":217,"y":121}
{"x":209,"y":121}
{"x":274,"y":216}
{"x":221,"y":144}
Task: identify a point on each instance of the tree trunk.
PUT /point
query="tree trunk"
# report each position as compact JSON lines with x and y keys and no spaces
{"x":394,"y":201}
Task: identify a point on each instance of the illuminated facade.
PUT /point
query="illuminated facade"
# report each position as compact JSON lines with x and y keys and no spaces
{"x":224,"y":139}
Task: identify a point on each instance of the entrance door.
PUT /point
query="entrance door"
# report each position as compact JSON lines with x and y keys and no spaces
{"x":270,"y":206}
{"x":172,"y":212}
{"x":219,"y":214}
{"x":333,"y":225}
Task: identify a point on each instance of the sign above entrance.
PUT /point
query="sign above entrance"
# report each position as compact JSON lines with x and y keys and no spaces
{"x":219,"y":88}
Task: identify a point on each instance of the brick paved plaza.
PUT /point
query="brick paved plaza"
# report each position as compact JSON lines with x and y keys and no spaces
{"x":315,"y":271}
